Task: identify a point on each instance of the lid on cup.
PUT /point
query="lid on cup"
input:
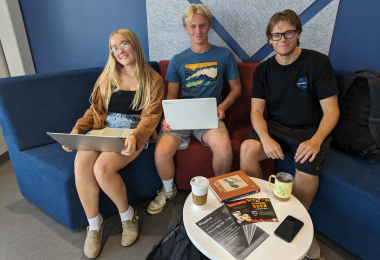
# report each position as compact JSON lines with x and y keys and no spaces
{"x":199,"y":181}
{"x":284,"y":177}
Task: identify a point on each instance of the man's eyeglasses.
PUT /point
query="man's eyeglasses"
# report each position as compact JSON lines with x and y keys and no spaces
{"x":288,"y":35}
{"x":122,"y":47}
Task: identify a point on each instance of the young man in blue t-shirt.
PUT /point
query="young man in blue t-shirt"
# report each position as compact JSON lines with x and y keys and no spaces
{"x":198,"y":72}
{"x":299,"y":89}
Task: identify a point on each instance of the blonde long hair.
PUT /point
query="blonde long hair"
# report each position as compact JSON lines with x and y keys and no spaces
{"x":143,"y":74}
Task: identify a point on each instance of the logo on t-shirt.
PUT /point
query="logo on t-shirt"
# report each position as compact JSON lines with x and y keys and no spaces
{"x":201,"y":74}
{"x":302,"y":83}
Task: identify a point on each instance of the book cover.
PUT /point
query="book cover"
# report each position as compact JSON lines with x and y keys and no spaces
{"x":261,"y":210}
{"x":232,"y":185}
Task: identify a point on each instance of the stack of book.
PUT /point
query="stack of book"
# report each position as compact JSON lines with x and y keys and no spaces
{"x":232,"y":185}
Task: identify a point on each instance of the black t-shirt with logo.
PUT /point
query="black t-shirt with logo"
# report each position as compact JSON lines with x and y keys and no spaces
{"x":292,"y":92}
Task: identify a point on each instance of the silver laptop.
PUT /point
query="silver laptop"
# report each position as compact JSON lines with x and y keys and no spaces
{"x":188,"y":114}
{"x":102,"y":140}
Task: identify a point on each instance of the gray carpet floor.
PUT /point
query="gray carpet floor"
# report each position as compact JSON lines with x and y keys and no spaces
{"x":27,"y":232}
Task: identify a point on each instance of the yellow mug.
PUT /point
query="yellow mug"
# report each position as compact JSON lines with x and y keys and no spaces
{"x":283,"y":184}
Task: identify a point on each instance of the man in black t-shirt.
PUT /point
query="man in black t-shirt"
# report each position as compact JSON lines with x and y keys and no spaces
{"x":299,"y":89}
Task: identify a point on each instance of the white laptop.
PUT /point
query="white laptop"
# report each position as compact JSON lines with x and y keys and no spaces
{"x":102,"y":140}
{"x":188,"y":114}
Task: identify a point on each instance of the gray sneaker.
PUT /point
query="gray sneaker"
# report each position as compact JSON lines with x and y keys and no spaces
{"x":314,"y":250}
{"x":158,"y":204}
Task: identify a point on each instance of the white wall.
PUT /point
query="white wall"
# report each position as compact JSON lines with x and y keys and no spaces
{"x":15,"y":55}
{"x":4,"y":72}
{"x":3,"y":146}
{"x":14,"y":40}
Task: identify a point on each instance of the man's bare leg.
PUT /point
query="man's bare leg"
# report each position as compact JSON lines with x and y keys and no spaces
{"x":305,"y":187}
{"x":251,"y":153}
{"x":166,"y":148}
{"x":220,"y":145}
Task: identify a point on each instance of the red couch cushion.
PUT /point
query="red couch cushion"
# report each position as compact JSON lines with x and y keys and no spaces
{"x":197,"y":159}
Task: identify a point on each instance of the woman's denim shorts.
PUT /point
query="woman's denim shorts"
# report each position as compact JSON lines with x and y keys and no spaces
{"x":118,"y":120}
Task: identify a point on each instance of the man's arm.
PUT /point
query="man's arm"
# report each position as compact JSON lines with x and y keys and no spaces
{"x":330,"y":118}
{"x":173,"y":89}
{"x":271,"y":148}
{"x":231,"y":97}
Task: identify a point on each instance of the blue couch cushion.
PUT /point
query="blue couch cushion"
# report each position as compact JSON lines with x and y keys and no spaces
{"x":45,"y":175}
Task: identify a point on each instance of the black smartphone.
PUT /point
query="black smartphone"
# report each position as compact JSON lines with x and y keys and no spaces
{"x":289,"y":228}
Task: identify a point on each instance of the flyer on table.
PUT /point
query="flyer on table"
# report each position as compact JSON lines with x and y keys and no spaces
{"x":238,"y":241}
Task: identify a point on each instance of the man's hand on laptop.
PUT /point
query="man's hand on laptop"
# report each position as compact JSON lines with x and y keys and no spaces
{"x":221,"y":113}
{"x":130,"y":146}
{"x":67,"y":149}
{"x":164,"y":126}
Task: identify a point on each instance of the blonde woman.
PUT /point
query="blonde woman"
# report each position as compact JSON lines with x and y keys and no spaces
{"x":128,"y":94}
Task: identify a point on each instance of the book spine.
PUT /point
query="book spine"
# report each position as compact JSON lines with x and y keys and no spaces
{"x":242,"y":195}
{"x":216,"y":195}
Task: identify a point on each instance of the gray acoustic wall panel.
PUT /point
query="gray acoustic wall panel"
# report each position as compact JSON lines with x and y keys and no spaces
{"x":244,"y":20}
{"x":166,"y":34}
{"x":317,"y":33}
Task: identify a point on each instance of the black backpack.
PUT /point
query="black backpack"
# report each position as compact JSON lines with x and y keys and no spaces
{"x":177,"y":247}
{"x":358,"y":129}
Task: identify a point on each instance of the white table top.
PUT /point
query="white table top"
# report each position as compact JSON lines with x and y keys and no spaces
{"x":273,"y":248}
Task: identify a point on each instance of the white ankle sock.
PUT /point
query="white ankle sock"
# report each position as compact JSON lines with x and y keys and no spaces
{"x":95,"y":223}
{"x":168,"y":185}
{"x":128,"y":215}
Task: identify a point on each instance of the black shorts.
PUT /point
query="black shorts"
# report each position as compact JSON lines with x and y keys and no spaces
{"x":290,"y":138}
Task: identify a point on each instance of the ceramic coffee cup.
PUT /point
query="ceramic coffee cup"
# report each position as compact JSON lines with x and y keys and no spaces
{"x":283,"y":185}
{"x":199,"y":189}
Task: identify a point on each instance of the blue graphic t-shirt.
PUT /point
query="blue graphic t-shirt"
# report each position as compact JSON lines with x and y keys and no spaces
{"x":201,"y":75}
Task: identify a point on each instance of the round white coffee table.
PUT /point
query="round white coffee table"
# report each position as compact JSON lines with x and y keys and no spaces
{"x":273,"y":248}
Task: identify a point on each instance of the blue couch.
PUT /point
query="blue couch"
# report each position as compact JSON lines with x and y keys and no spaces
{"x":346,"y":207}
{"x":32,"y":105}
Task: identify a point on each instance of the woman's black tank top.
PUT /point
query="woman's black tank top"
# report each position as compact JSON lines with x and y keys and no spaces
{"x":121,"y":101}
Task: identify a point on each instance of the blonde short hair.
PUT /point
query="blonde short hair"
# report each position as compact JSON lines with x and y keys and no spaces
{"x":196,"y":9}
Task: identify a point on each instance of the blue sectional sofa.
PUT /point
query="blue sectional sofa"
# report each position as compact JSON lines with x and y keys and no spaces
{"x":32,"y":105}
{"x":346,"y":207}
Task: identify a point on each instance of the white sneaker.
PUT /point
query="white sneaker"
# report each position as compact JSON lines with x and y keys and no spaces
{"x":158,"y":204}
{"x":314,"y":250}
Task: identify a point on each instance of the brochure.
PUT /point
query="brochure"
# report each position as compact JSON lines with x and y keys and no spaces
{"x":251,"y":210}
{"x":238,"y":241}
{"x":261,"y":210}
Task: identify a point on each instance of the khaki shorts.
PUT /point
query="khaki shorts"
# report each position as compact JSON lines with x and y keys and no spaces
{"x":185,"y":135}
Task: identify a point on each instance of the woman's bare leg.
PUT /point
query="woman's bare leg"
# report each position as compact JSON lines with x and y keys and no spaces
{"x":86,"y":183}
{"x":106,"y":170}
